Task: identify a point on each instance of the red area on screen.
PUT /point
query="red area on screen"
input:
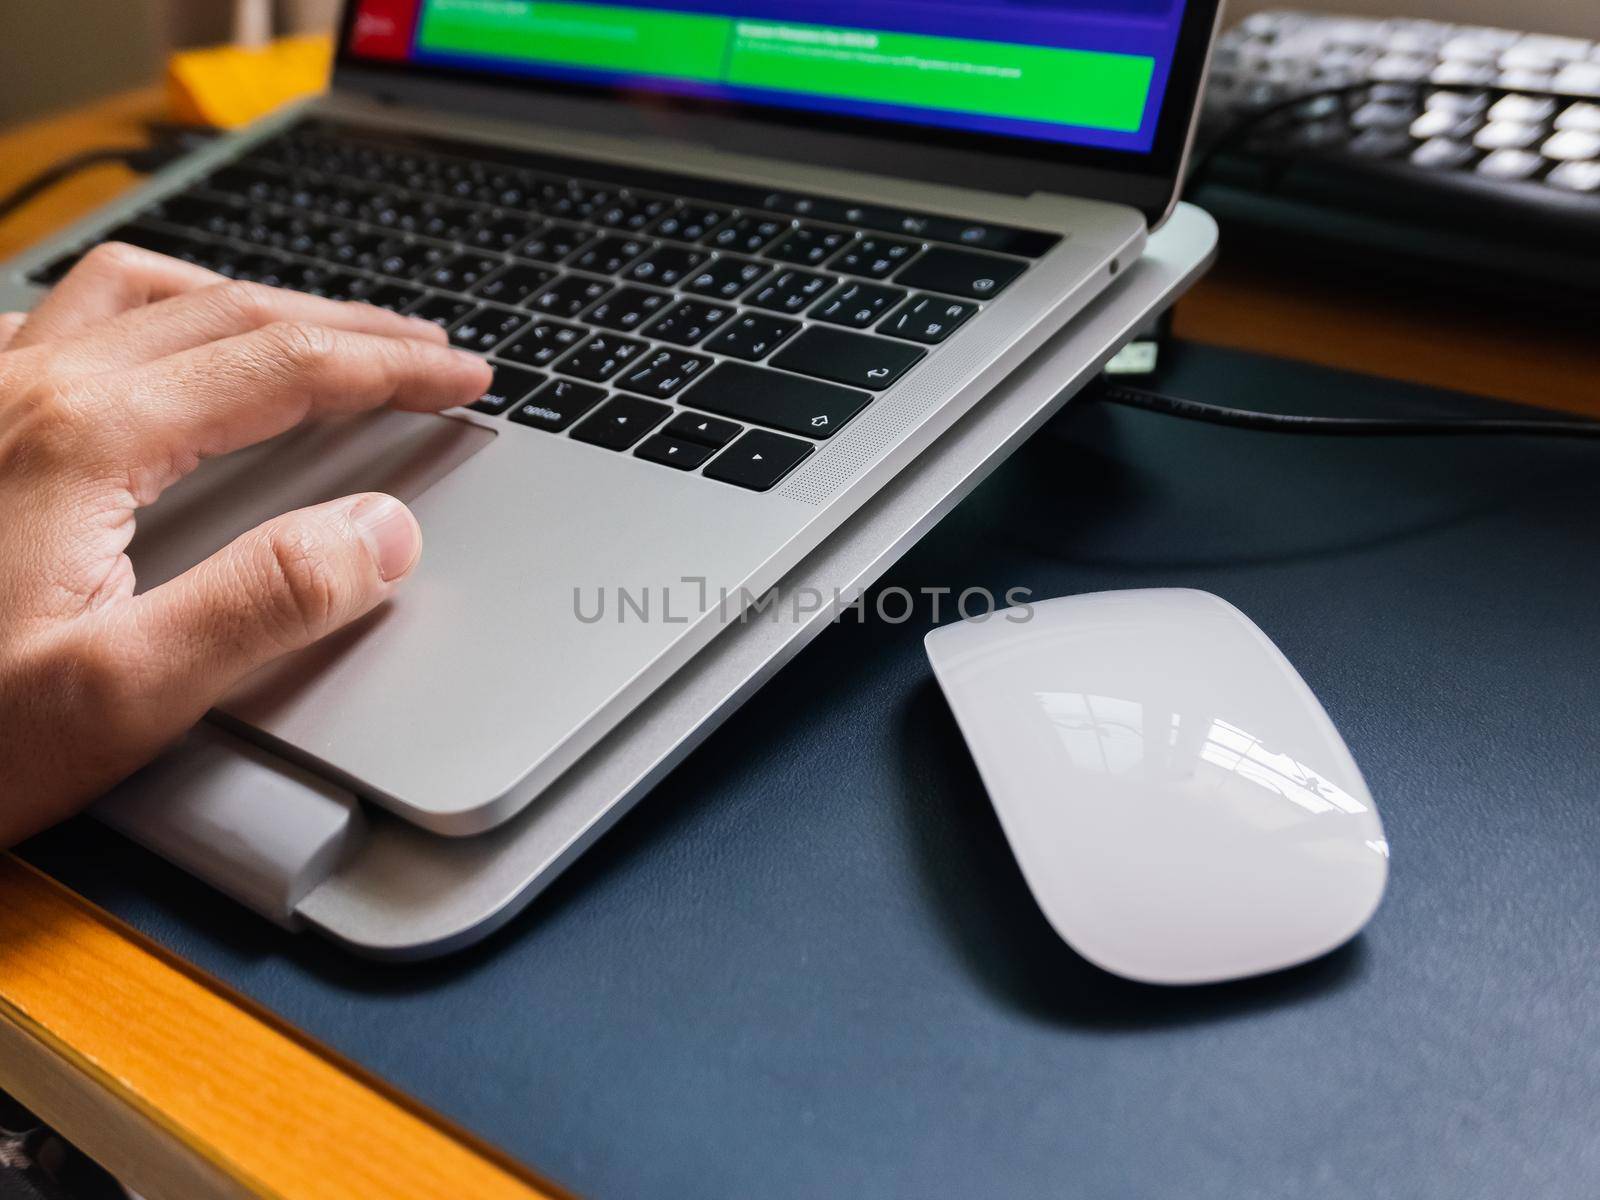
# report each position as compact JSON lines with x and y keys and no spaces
{"x":383,"y":28}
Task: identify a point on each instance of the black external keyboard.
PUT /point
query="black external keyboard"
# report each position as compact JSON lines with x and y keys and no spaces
{"x":1503,"y":106}
{"x":1437,"y":142}
{"x":629,"y":309}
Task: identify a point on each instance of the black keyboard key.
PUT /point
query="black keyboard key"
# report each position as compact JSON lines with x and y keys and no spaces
{"x":345,"y":285}
{"x":708,"y":431}
{"x":251,"y":182}
{"x":396,"y":297}
{"x":691,"y":222}
{"x":444,"y":219}
{"x":314,"y":279}
{"x":791,"y":291}
{"x":670,"y":452}
{"x":664,"y":373}
{"x":627,"y":308}
{"x":1030,"y":243}
{"x":689,"y":321}
{"x":667,"y":266}
{"x":356,"y":248}
{"x":875,"y":257}
{"x":787,"y":402}
{"x":809,"y":245}
{"x":621,"y":423}
{"x":857,"y":304}
{"x":502,"y":232}
{"x":514,"y":284}
{"x":556,"y":241}
{"x":927,"y":319}
{"x":269,"y":269}
{"x":461,"y":273}
{"x":752,"y":336}
{"x":601,"y":357}
{"x":850,"y":358}
{"x":569,"y":295}
{"x":746,"y":235}
{"x":158,"y":240}
{"x":510,"y":385}
{"x":405,"y":257}
{"x":609,"y":255}
{"x":758,"y":460}
{"x":961,"y":273}
{"x":486,"y":327}
{"x":574,"y":200}
{"x":557,"y":404}
{"x":1027,"y":242}
{"x":542,"y":343}
{"x":726,"y":277}
{"x":443,"y":311}
{"x":632,"y":212}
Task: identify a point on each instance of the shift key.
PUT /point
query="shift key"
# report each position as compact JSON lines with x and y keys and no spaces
{"x":775,"y":399}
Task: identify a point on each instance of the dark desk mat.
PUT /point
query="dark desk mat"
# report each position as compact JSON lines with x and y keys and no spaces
{"x":807,"y":966}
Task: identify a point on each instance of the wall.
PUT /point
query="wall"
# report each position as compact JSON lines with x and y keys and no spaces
{"x":55,"y":53}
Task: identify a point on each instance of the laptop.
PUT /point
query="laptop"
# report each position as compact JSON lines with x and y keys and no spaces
{"x":735,"y":264}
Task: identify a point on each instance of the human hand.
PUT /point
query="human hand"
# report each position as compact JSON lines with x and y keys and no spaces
{"x":133,"y":370}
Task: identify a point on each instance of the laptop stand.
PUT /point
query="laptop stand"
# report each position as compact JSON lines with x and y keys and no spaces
{"x":307,"y":854}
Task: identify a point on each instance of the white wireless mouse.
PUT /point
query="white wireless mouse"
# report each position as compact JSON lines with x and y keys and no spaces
{"x":1181,"y":806}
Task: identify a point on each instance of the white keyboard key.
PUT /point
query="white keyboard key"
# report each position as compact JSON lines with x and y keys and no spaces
{"x":1506,"y":135}
{"x":1464,"y":103}
{"x":1523,"y":57}
{"x":1522,"y":110}
{"x":1580,"y":116}
{"x":1527,"y":80}
{"x":1469,"y":49}
{"x":1442,"y":154}
{"x":1441,"y":122}
{"x":1576,"y":176}
{"x":1572,"y":145}
{"x":1462,"y":73}
{"x":1564,"y":49}
{"x":1401,"y":68}
{"x":1510,"y":164}
{"x":1578,"y":79}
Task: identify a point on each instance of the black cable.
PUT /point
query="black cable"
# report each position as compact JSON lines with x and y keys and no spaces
{"x":170,"y":143}
{"x":1262,"y":422}
{"x":53,"y":175}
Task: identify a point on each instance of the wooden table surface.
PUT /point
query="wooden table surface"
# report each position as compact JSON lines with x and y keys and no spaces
{"x":184,"y":1089}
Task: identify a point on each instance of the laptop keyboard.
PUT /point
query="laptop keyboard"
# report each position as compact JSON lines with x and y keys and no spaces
{"x":697,"y":324}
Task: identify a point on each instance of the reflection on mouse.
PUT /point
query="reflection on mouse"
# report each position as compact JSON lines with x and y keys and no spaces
{"x":1179,"y":803}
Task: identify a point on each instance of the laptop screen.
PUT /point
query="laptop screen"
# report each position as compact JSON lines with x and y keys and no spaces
{"x":1088,"y":73}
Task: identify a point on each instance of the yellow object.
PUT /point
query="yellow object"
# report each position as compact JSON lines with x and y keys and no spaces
{"x":231,"y":86}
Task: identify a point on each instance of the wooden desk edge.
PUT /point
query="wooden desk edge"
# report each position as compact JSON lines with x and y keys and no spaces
{"x":184,"y":1089}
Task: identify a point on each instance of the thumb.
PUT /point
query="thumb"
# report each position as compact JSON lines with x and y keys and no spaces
{"x":276,"y":589}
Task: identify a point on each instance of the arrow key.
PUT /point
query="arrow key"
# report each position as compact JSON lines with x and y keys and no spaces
{"x":670,"y":452}
{"x":622,"y":422}
{"x":708,"y":431}
{"x":757,"y":460}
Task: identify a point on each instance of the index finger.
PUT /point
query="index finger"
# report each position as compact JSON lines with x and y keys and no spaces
{"x":233,"y":393}
{"x":109,"y":280}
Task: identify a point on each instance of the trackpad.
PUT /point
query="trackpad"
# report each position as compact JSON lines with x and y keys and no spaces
{"x":401,"y":453}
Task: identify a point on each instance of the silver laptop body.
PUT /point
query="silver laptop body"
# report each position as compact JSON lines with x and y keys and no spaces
{"x":565,"y":581}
